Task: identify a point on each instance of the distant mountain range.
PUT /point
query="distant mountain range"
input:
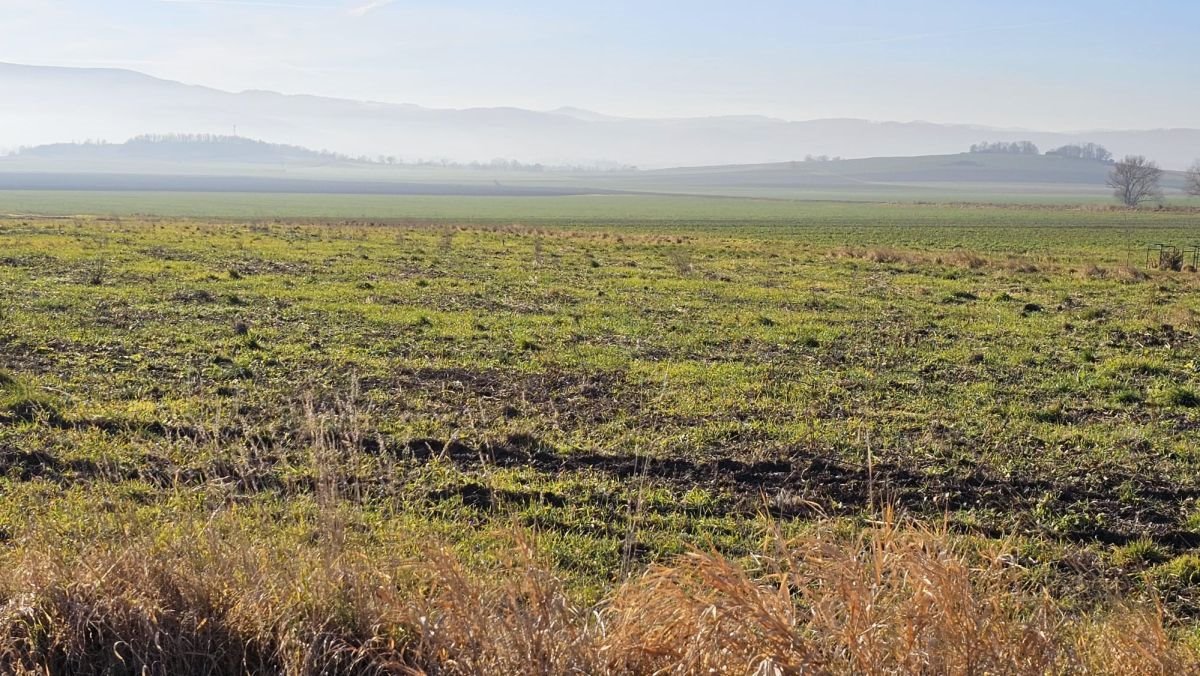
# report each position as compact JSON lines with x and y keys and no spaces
{"x":45,"y":105}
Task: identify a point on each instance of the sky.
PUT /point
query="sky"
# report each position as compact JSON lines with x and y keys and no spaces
{"x":1049,"y":64}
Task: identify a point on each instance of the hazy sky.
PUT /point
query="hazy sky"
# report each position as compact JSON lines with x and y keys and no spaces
{"x":1049,"y":64}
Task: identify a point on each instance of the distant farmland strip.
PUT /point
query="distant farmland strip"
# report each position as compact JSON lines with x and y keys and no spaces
{"x":250,"y":184}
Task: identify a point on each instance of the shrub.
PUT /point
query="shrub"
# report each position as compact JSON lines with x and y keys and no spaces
{"x":1171,"y":260}
{"x":1138,"y":553}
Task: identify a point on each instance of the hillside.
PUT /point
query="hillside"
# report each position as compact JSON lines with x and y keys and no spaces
{"x":43,"y":105}
{"x":964,"y":176}
{"x":964,"y":167}
{"x":187,"y":149}
{"x":959,"y":176}
{"x":208,"y":164}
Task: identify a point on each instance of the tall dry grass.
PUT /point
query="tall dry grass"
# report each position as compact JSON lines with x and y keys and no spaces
{"x":894,"y":599}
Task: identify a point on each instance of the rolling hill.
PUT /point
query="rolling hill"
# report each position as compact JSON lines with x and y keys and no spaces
{"x":957,"y":168}
{"x":177,"y":149}
{"x":235,"y":164}
{"x":965,"y":176}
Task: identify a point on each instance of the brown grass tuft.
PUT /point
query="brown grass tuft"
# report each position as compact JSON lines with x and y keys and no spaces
{"x":216,"y":600}
{"x":1128,"y":273}
{"x":1019,"y":264}
{"x":965,"y":259}
{"x":886,"y":255}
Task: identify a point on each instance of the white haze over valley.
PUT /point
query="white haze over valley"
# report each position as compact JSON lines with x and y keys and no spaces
{"x":43,"y":105}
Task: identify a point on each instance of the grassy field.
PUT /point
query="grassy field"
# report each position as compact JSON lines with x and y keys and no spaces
{"x":290,"y":441}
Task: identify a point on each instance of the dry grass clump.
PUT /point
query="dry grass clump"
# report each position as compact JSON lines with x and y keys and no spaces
{"x":1128,"y":273}
{"x":1019,"y":264}
{"x":890,"y":255}
{"x":963,"y":259}
{"x":887,"y":255}
{"x":1122,"y":273}
{"x":892,"y":600}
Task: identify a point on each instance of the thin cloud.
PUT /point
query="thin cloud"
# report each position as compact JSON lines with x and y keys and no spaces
{"x":917,"y":37}
{"x":243,"y":3}
{"x":363,"y":10}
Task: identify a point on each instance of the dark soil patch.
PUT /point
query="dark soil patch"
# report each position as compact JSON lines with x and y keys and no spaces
{"x":225,"y":434}
{"x":200,"y":296}
{"x":804,"y":485}
{"x":25,"y":357}
{"x":485,"y":497}
{"x":1161,"y":336}
{"x":574,"y":399}
{"x":30,"y":465}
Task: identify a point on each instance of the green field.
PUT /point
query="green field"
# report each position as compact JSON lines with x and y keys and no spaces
{"x":671,"y":211}
{"x":621,"y":380}
{"x":974,"y":178}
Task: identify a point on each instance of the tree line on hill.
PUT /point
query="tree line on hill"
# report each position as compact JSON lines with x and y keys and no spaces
{"x":1084,"y":151}
{"x":235,"y":148}
{"x":1006,"y":148}
{"x":181,"y":145}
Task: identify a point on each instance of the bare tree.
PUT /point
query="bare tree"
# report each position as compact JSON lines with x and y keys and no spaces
{"x":1135,"y":180}
{"x":1193,"y":179}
